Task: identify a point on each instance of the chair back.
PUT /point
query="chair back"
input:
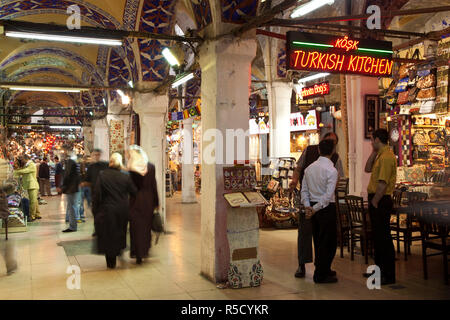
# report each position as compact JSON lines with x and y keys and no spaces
{"x":397,"y":197}
{"x":356,"y":211}
{"x":341,"y":205}
{"x":433,"y":222}
{"x":342,"y":186}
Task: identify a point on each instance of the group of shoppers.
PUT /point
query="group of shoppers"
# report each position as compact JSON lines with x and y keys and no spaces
{"x":119,"y":196}
{"x":318,"y":170}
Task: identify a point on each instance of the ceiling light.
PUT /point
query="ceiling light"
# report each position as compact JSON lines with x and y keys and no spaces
{"x":45,"y":89}
{"x":51,"y":37}
{"x":125,"y":99}
{"x":130,"y":83}
{"x":182,"y":79}
{"x":171,"y":59}
{"x":65,"y":127}
{"x":314,"y":77}
{"x":309,"y":7}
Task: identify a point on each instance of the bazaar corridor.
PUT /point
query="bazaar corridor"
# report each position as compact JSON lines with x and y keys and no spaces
{"x":172,"y":271}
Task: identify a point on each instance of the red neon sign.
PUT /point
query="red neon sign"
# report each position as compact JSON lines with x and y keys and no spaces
{"x":346,"y":43}
{"x":335,"y":62}
{"x":319,"y":89}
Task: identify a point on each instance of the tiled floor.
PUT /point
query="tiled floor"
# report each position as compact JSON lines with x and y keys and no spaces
{"x":172,"y":271}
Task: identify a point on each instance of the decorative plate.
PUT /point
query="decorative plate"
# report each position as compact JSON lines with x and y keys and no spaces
{"x":395,"y":135}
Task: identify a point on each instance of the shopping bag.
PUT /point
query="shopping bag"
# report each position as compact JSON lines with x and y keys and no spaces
{"x":157,"y":225}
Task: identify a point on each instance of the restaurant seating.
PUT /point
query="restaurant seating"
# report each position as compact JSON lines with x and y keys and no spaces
{"x":435,"y":237}
{"x":404,"y":228}
{"x":360,"y":229}
{"x":341,"y":211}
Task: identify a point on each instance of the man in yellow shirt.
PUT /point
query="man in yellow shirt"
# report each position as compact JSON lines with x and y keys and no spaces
{"x":382,"y":163}
{"x":29,"y":183}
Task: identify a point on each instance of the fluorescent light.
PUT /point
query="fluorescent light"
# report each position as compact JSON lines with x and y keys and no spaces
{"x":130,"y":83}
{"x":51,"y":37}
{"x":309,"y":7}
{"x":44,"y":89}
{"x":182,"y":80}
{"x":125,"y":99}
{"x":314,"y":77}
{"x":171,"y":59}
{"x":65,"y":127}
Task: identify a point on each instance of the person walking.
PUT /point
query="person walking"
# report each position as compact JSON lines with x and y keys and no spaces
{"x":59,"y":171}
{"x":382,"y":165}
{"x":92,"y":174}
{"x":318,"y":186}
{"x":44,"y":178}
{"x":84,"y":189}
{"x":111,"y":204}
{"x":70,"y":187}
{"x":142,"y":204}
{"x":30,"y":183}
{"x":304,"y":239}
{"x":7,"y":250}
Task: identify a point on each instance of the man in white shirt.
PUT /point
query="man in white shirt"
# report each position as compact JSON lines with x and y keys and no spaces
{"x":318,"y":186}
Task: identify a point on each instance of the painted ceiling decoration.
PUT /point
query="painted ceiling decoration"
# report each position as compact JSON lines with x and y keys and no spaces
{"x":281,"y":62}
{"x":118,"y":73}
{"x":156,"y":17}
{"x":238,"y":11}
{"x":16,"y":76}
{"x":202,"y":13}
{"x":12,"y":9}
{"x":193,"y":90}
{"x":387,"y":6}
{"x":60,"y":52}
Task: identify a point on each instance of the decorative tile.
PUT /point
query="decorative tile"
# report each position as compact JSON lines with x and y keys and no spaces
{"x":236,"y":11}
{"x":202,"y":13}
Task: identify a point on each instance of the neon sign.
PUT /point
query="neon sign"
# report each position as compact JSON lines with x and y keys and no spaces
{"x":319,"y":89}
{"x":318,"y":52}
{"x":346,"y":43}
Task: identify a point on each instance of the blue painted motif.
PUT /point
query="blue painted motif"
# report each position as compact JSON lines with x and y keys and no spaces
{"x":236,"y":11}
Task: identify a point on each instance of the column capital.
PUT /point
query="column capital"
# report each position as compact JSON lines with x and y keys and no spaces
{"x":150,"y":103}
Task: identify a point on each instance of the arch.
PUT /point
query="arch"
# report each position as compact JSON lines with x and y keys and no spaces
{"x":60,"y":52}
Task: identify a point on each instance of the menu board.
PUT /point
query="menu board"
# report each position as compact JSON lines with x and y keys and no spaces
{"x":239,"y":178}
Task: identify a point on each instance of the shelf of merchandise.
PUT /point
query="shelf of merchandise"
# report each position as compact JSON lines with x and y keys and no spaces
{"x":428,"y":126}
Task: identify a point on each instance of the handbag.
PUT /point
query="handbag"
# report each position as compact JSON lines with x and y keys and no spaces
{"x":427,"y":81}
{"x":402,"y":85}
{"x":427,"y":106}
{"x":157,"y":225}
{"x":4,"y":210}
{"x":412,"y":94}
{"x":426,"y":94}
{"x":403,"y":97}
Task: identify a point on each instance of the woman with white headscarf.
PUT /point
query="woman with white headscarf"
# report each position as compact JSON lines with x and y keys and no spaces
{"x":111,"y":204}
{"x":143,"y":203}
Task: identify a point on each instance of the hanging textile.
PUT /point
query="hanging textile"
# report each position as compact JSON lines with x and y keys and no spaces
{"x":116,"y":136}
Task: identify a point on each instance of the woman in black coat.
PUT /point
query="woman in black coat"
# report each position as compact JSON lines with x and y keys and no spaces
{"x":111,"y":204}
{"x":142,"y":204}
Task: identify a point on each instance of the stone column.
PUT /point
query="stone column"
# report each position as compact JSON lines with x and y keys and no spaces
{"x":187,"y":181}
{"x":101,"y":137}
{"x":152,"y":112}
{"x":225,"y":89}
{"x":280,"y":113}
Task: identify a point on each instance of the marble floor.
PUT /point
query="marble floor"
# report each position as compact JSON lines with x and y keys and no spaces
{"x":172,"y":271}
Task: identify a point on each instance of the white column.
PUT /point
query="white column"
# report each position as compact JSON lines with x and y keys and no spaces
{"x":280,"y":112}
{"x":187,"y":181}
{"x":101,"y":137}
{"x":359,"y":147}
{"x":225,"y":89}
{"x":152,"y":116}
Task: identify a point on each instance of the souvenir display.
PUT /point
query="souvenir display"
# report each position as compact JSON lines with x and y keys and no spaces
{"x":239,"y":178}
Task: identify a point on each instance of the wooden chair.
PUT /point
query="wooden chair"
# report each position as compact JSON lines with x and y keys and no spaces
{"x":435,"y":236}
{"x":360,"y":229}
{"x":342,"y":218}
{"x":396,"y":226}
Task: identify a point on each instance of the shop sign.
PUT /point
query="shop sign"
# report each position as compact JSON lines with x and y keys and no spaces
{"x":300,"y":123}
{"x":328,"y":53}
{"x":317,"y":90}
{"x":258,"y":126}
